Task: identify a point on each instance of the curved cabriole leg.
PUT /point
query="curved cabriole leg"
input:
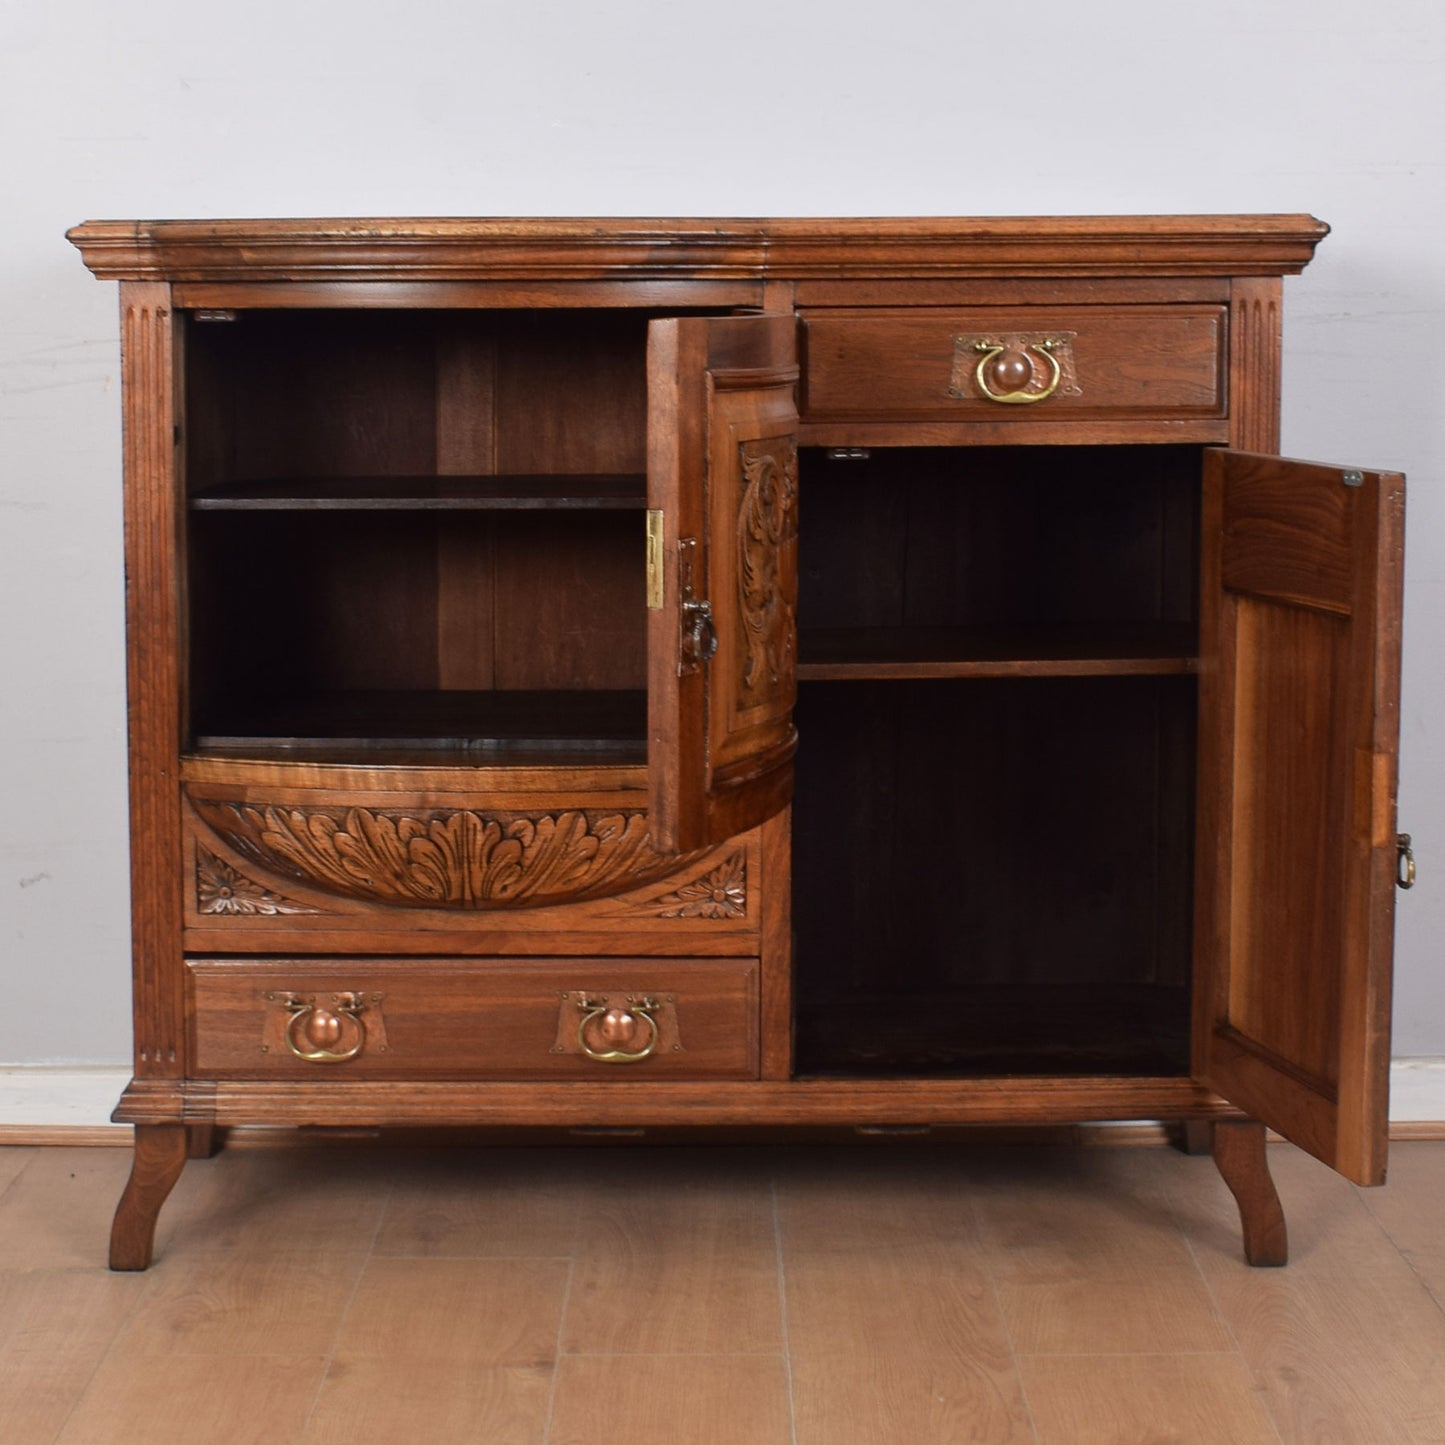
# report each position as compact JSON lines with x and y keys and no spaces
{"x":160,"y":1155}
{"x":1239,"y":1154}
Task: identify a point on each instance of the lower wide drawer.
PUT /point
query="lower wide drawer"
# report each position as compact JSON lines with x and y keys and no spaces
{"x":537,"y":1018}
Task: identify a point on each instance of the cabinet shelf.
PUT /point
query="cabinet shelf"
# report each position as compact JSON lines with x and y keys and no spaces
{"x":993,"y":1032}
{"x":532,"y":728}
{"x":1087,"y":650}
{"x":544,"y":493}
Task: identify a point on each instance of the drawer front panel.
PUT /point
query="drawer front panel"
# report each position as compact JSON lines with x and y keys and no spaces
{"x":992,"y":364}
{"x":241,"y":898}
{"x":546,"y":1018}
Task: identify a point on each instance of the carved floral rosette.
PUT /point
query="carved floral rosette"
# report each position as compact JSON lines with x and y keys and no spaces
{"x":224,"y":891}
{"x":459,"y":858}
{"x":721,"y":892}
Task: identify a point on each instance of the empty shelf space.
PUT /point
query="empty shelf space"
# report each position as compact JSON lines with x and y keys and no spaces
{"x":545,"y":728}
{"x":600,"y":492}
{"x":1089,"y":650}
{"x":1135,"y":1030}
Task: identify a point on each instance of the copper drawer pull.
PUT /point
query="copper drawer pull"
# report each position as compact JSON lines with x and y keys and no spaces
{"x":1013,"y":367}
{"x":325,"y":1035}
{"x":618,"y":1029}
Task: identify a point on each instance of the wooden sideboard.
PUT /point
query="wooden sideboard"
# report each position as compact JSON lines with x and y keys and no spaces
{"x":644,"y":673}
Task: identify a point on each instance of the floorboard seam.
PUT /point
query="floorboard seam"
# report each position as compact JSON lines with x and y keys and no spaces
{"x":1404,"y":1254}
{"x":17,"y":1176}
{"x":1228,"y":1328}
{"x":558,"y":1354}
{"x":346,"y":1309}
{"x":668,"y":1354}
{"x":104,"y":1355}
{"x":101,"y":1358}
{"x":783,"y":1312}
{"x":985,"y":1254}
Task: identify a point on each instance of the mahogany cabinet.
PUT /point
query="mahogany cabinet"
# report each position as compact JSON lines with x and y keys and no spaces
{"x":680,"y":673}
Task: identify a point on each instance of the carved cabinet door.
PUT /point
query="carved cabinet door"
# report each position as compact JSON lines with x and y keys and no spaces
{"x":723,"y":576}
{"x":1299,"y":716}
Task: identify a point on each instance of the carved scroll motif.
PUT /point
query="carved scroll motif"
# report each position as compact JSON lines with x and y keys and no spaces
{"x":445,"y":859}
{"x":767,"y":540}
{"x":722,"y":892}
{"x":223,"y":890}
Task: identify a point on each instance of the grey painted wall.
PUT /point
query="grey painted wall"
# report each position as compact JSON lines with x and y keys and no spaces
{"x":656,"y":107}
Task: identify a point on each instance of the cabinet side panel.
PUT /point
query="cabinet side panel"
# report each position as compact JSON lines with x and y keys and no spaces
{"x":154,"y":586}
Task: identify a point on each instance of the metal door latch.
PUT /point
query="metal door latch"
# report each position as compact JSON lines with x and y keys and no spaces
{"x":1404,"y":861}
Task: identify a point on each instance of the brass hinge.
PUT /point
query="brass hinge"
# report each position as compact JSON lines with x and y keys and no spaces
{"x":654,"y":559}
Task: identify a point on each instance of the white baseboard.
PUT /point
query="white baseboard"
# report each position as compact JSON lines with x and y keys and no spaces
{"x":37,"y":1101}
{"x":43,"y":1099}
{"x":1417,"y":1091}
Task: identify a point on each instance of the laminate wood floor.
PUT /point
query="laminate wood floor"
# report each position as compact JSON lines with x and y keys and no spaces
{"x":729,"y":1296}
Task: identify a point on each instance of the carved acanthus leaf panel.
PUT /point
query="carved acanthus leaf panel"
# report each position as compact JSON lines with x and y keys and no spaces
{"x":767,"y":544}
{"x":445,"y":858}
{"x":222,"y":890}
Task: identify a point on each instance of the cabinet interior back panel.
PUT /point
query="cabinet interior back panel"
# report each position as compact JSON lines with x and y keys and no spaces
{"x":572,"y":392}
{"x":1014,"y":536}
{"x":276,"y":394}
{"x":308,"y":394}
{"x":292,"y":606}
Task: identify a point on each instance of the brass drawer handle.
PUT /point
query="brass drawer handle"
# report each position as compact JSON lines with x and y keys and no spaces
{"x":323,"y":1035}
{"x":617,"y":1029}
{"x":1012,"y":368}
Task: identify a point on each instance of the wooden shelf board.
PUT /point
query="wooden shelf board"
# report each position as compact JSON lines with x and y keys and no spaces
{"x":521,"y":728}
{"x":1118,"y":1029}
{"x":1160,"y":648}
{"x":621,"y":492}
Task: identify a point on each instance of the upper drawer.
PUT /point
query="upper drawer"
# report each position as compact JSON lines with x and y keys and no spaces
{"x":1004,"y":363}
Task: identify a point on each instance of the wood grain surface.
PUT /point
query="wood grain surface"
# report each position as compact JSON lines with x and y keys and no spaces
{"x":1055,"y":1295}
{"x":1095,"y":810}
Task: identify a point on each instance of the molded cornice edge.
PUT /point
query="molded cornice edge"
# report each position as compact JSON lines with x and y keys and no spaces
{"x":608,"y":249}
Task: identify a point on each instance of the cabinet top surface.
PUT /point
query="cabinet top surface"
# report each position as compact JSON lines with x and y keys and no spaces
{"x":619,"y":248}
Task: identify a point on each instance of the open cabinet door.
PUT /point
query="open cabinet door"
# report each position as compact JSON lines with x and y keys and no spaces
{"x":1299,"y":723}
{"x":722,"y":481}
